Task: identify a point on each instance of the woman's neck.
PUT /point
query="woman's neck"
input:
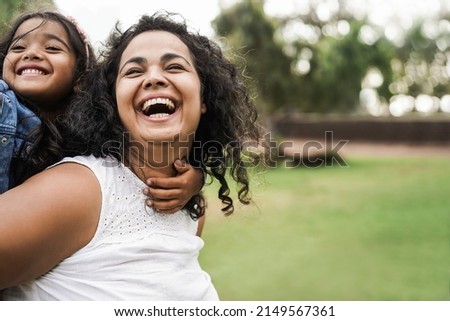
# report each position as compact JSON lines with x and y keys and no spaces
{"x":155,"y":162}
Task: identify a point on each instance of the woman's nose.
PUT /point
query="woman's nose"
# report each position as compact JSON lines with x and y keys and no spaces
{"x":154,"y":78}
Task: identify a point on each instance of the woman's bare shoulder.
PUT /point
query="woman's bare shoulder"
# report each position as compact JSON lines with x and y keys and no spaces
{"x":46,"y":219}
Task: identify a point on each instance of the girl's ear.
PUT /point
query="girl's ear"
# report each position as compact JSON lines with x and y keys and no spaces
{"x":204,"y":109}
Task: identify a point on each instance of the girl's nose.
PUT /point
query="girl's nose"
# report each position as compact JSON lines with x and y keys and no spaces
{"x":32,"y":54}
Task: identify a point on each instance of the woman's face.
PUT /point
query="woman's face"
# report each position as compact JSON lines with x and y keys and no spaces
{"x":40,"y":63}
{"x":158,"y":90}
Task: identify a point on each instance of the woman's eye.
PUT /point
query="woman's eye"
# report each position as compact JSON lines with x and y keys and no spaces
{"x":132,"y":71}
{"x":175,"y":67}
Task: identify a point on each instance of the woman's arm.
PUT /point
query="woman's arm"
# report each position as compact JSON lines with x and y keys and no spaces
{"x":46,"y":219}
{"x":201,"y":224}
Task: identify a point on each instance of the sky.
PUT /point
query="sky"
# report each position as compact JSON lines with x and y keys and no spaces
{"x":98,"y":17}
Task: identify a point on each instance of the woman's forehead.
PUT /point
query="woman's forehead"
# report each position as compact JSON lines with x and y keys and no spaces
{"x":156,"y":42}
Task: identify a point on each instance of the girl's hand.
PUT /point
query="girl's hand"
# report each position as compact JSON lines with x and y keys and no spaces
{"x":169,"y":195}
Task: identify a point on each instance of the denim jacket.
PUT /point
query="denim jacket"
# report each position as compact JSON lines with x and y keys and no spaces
{"x":16,"y":123}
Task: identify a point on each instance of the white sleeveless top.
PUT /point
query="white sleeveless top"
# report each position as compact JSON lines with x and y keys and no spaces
{"x":135,"y":254}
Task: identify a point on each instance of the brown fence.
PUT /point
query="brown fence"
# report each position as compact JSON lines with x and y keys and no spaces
{"x":372,"y":130}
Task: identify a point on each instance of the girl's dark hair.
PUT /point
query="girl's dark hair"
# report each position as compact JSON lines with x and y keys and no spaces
{"x":229,"y":121}
{"x":48,"y":138}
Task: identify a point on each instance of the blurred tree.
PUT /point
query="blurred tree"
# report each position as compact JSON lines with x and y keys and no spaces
{"x":320,"y":63}
{"x":340,"y":66}
{"x":252,"y":33}
{"x":9,"y":9}
{"x":337,"y":64}
{"x":423,"y":61}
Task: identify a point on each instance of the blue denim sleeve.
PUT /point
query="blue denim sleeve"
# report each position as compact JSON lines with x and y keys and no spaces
{"x":16,"y":123}
{"x":8,"y":123}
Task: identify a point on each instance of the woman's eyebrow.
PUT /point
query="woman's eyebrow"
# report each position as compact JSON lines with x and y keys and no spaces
{"x":164,"y":58}
{"x":138,"y":60}
{"x":168,"y":56}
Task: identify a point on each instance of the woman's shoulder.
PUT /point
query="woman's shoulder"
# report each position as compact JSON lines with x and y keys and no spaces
{"x":95,"y":163}
{"x":57,"y":210}
{"x":105,"y":169}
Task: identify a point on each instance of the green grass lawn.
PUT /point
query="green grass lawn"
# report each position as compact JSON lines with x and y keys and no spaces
{"x":377,"y":229}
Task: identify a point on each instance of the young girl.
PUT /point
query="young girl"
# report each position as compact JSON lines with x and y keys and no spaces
{"x":43,"y":59}
{"x":175,"y":96}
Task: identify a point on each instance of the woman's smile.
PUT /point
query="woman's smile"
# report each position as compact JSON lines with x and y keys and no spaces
{"x":159,"y":107}
{"x":158,"y":89}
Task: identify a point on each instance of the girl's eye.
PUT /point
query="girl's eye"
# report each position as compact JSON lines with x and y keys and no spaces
{"x":53,"y":48}
{"x":16,"y":48}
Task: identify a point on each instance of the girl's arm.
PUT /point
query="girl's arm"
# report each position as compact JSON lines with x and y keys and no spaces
{"x":46,"y":219}
{"x":168,"y":195}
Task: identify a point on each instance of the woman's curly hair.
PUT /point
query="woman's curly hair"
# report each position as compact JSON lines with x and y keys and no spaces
{"x":229,"y":121}
{"x":48,"y":138}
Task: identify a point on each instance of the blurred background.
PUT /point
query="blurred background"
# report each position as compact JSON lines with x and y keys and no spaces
{"x":354,"y":97}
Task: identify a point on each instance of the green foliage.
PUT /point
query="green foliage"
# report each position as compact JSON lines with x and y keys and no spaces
{"x":9,"y":9}
{"x":249,"y":31}
{"x":423,"y":62}
{"x":376,"y":230}
{"x":339,"y":62}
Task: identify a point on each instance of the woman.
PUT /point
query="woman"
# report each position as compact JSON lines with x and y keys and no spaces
{"x":161,"y":93}
{"x":43,"y":59}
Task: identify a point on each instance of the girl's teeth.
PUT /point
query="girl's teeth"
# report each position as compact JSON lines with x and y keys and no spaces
{"x":32,"y":71}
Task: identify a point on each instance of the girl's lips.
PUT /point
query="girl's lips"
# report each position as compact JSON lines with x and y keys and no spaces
{"x":31,"y":70}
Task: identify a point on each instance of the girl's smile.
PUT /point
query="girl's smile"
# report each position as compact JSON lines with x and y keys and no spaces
{"x":40,"y":63}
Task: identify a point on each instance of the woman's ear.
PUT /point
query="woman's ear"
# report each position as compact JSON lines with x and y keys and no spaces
{"x":203,"y":109}
{"x":76,"y":87}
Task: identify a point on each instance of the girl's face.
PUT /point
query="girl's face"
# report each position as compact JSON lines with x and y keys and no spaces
{"x":158,"y":89}
{"x":40,"y":64}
